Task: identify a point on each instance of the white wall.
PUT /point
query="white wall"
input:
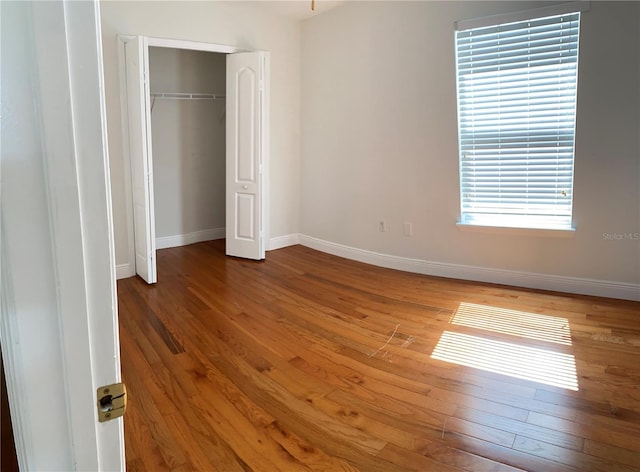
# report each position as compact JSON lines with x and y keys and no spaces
{"x":188,"y":142}
{"x":247,"y":25}
{"x":380,"y":140}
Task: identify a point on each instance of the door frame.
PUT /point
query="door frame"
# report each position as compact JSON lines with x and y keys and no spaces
{"x":130,"y":269}
{"x":71,"y":110}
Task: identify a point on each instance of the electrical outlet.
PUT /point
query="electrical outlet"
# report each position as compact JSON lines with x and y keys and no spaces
{"x":408,"y":229}
{"x":382,"y":226}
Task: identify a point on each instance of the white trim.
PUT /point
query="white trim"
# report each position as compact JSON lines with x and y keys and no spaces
{"x":542,"y":232}
{"x":266,"y":154}
{"x":126,"y":157}
{"x":71,"y":97}
{"x":600,"y":288}
{"x":96,"y":224}
{"x":68,"y":96}
{"x":59,"y":108}
{"x":283,"y":241}
{"x":190,"y":238}
{"x":192,"y":45}
{"x":522,"y":15}
{"x":124,"y":271}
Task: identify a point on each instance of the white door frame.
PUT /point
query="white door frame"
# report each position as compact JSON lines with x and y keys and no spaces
{"x":71,"y":110}
{"x":139,"y":113}
{"x":175,"y":44}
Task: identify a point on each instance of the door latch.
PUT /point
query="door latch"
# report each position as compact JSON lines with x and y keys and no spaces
{"x":112,"y":401}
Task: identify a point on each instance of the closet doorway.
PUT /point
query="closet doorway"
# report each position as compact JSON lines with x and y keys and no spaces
{"x":197,"y":140}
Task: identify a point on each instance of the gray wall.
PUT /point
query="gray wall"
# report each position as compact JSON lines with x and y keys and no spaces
{"x":376,"y":83}
{"x":246,"y":25}
{"x":188,"y":142}
{"x":380,"y":139}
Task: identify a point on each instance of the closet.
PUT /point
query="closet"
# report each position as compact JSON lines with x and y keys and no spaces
{"x":187,"y":92}
{"x":197,"y":130}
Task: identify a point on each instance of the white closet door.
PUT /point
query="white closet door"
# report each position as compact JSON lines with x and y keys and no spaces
{"x":138,"y":98}
{"x":247,"y":86}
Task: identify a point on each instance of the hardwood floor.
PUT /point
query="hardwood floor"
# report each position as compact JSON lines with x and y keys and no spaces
{"x":311,"y":362}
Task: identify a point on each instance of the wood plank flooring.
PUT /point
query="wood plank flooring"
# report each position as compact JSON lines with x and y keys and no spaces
{"x":307,"y":361}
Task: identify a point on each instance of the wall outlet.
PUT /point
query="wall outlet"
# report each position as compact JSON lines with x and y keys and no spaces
{"x":408,"y":229}
{"x":382,"y":226}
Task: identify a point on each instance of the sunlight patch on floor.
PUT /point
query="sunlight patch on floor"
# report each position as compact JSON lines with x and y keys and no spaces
{"x":517,"y":323}
{"x":523,"y":362}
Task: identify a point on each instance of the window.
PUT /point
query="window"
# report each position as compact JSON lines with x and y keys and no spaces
{"x":516,"y":121}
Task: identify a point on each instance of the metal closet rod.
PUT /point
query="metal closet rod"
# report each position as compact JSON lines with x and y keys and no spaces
{"x":187,"y":96}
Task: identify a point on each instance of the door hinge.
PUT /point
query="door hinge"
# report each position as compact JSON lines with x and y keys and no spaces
{"x":112,"y":401}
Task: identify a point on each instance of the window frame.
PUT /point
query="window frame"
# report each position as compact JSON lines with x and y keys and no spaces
{"x":524,"y":222}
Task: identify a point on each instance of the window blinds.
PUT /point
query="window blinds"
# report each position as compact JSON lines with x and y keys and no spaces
{"x":516,"y":118}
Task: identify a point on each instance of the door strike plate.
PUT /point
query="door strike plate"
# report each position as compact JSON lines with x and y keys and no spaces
{"x":112,"y":401}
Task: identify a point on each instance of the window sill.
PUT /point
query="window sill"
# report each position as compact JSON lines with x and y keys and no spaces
{"x":537,"y":232}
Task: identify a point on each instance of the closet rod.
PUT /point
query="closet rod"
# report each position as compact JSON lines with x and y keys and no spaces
{"x":187,"y":96}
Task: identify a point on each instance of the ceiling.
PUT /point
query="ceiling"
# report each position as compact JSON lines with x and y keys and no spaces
{"x":299,"y":9}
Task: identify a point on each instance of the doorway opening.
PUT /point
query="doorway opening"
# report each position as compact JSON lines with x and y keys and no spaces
{"x":188,"y":122}
{"x":204,"y":152}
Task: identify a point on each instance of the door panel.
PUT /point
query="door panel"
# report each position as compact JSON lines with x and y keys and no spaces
{"x":245,"y":121}
{"x":246,"y":206}
{"x":246,"y":154}
{"x":138,"y":101}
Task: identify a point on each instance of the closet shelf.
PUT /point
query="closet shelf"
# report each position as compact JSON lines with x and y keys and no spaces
{"x":187,"y":96}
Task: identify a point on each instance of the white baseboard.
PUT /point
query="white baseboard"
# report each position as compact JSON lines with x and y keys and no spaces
{"x":124,"y":270}
{"x":600,"y":288}
{"x":190,"y":238}
{"x":283,"y":241}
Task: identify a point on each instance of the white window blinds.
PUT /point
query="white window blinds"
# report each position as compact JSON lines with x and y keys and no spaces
{"x":516,"y":122}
